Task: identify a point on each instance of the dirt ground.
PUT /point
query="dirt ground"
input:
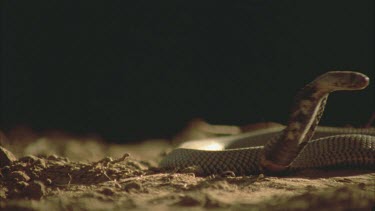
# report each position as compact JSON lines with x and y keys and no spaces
{"x":55,"y":171}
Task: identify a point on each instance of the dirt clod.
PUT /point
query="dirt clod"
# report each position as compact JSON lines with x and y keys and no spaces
{"x":35,"y":190}
{"x":6,"y":157}
{"x":190,"y":200}
{"x":19,"y":176}
{"x":133,"y":185}
{"x":107,"y":191}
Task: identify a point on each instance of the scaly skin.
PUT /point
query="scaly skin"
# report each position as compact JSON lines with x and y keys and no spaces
{"x":292,"y":149}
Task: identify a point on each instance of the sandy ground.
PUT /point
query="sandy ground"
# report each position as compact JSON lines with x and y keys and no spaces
{"x":59,"y":172}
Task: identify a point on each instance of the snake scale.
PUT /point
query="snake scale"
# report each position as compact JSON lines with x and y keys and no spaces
{"x":300,"y":144}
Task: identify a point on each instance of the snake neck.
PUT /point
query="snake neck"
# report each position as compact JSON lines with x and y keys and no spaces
{"x":307,"y":110}
{"x":305,"y":115}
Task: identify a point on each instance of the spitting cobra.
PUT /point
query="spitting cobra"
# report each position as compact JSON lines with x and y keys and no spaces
{"x":298,"y":145}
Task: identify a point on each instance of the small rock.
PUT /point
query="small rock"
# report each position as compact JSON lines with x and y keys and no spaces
{"x":107,"y":191}
{"x":197,"y":170}
{"x":35,"y":190}
{"x":29,"y":159}
{"x":6,"y":157}
{"x":19,"y":176}
{"x":41,"y":163}
{"x":362,"y":185}
{"x":228,"y":174}
{"x":48,"y":181}
{"x":53,"y":157}
{"x":21,"y":185}
{"x":132,"y":186}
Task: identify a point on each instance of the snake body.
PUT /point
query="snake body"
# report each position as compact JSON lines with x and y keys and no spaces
{"x":300,"y":144}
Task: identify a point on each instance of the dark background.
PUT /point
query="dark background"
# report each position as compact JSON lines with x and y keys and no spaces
{"x":137,"y":70}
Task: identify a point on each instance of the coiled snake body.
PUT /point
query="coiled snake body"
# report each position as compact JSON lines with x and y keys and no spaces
{"x":290,"y":147}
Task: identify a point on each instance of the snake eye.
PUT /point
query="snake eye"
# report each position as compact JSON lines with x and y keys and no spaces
{"x":360,"y":81}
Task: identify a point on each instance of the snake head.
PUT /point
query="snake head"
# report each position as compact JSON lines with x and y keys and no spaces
{"x":341,"y":80}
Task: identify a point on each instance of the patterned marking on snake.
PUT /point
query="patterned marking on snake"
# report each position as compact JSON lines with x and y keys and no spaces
{"x":291,"y":147}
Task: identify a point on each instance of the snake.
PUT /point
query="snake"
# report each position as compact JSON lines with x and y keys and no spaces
{"x":300,"y":144}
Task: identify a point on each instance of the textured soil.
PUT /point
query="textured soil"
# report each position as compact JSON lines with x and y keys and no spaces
{"x":59,"y":172}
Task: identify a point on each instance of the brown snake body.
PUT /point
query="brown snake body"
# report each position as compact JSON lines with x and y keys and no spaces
{"x":291,"y":147}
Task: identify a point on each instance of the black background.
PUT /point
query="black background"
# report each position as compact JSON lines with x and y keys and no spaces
{"x":129,"y":71}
